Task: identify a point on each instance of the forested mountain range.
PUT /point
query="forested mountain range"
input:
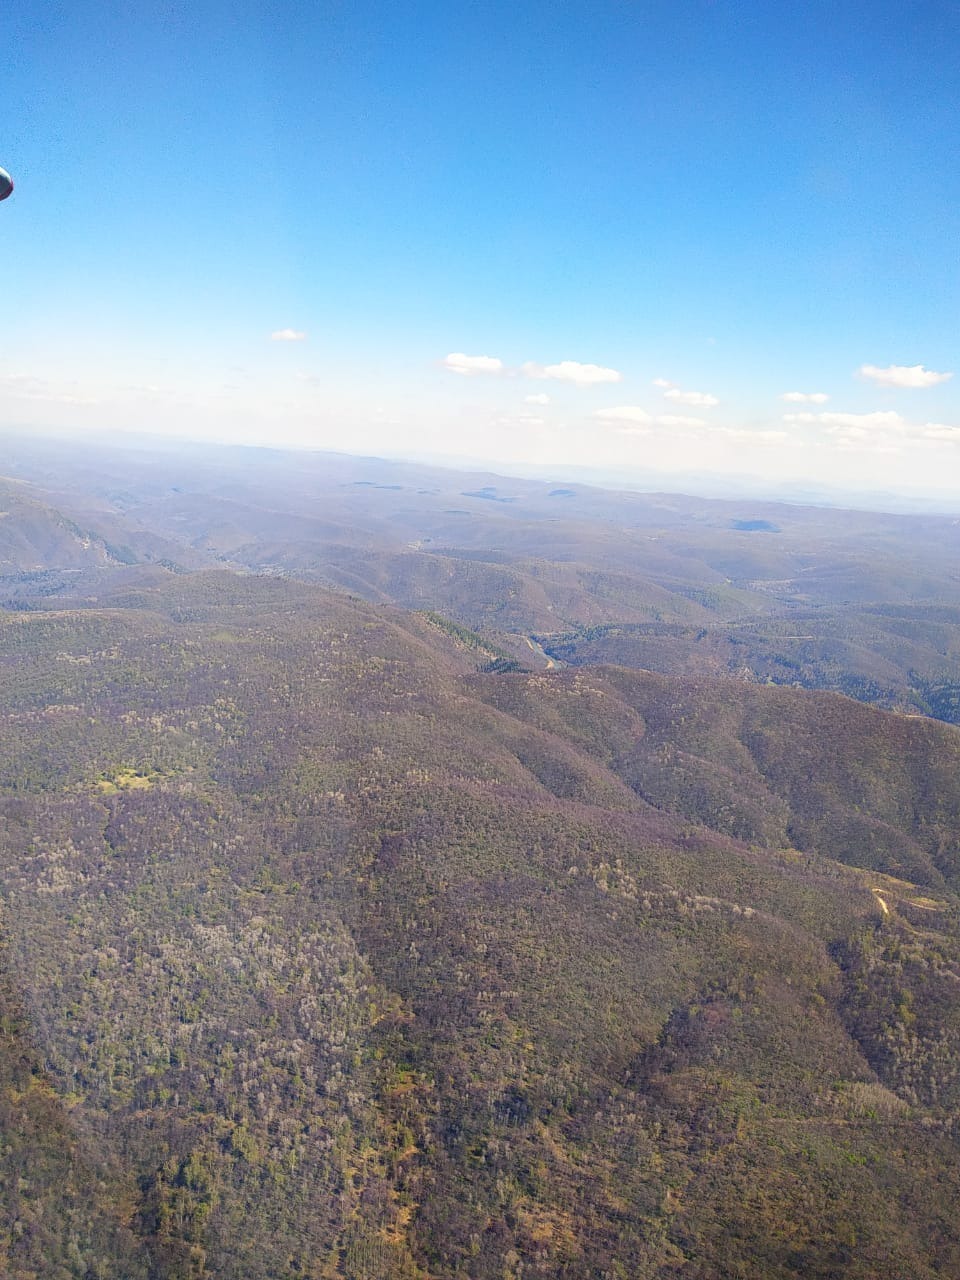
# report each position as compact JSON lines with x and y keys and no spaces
{"x":861,"y":603}
{"x":346,"y":933}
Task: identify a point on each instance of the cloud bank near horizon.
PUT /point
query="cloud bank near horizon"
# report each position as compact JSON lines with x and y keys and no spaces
{"x":900,"y":375}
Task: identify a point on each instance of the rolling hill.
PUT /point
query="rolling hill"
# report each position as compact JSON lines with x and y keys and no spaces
{"x":326,"y":954}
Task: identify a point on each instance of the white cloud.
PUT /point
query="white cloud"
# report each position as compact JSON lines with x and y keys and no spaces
{"x":751,"y":437}
{"x":902,"y":375}
{"x":24,"y":386}
{"x":663,"y":383}
{"x":805,"y":397}
{"x":466,"y":365}
{"x":633,"y":413}
{"x":581,"y":375}
{"x":885,"y":420}
{"x":624,"y":413}
{"x":879,"y":432}
{"x":852,"y":443}
{"x":699,"y":398}
{"x":288,"y":335}
{"x":940,"y":431}
{"x":540,"y":397}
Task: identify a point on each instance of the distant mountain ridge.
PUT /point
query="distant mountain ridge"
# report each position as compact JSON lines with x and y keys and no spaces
{"x":843,"y":600}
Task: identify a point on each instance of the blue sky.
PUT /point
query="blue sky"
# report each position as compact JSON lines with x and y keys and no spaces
{"x":628,"y":211}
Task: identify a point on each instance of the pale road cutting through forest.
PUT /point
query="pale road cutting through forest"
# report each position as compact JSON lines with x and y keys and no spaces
{"x":538,"y":649}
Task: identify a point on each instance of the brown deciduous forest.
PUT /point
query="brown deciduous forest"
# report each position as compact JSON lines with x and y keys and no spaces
{"x":576,"y":897}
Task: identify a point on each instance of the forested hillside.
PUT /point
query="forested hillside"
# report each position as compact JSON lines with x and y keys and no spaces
{"x":329,"y":954}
